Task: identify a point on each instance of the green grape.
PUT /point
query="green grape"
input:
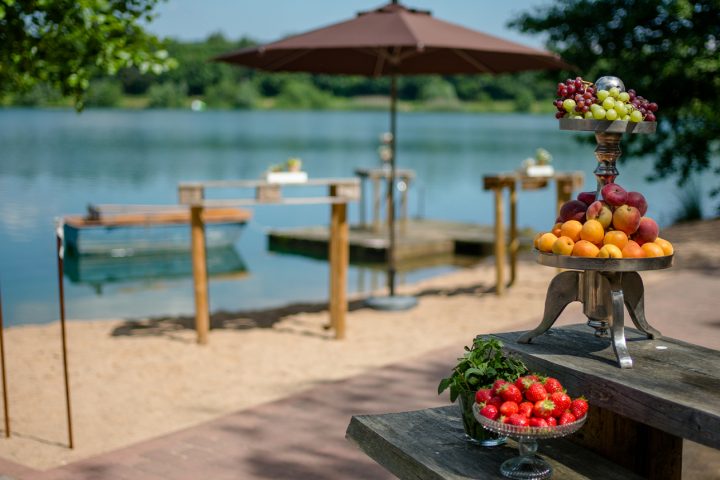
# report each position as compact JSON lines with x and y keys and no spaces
{"x":636,"y":116}
{"x":614,"y":92}
{"x":594,"y":106}
{"x":626,"y":118}
{"x":624,"y":96}
{"x":621,"y":109}
{"x":602,"y":94}
{"x":589,"y":115}
{"x":608,"y":103}
{"x":569,"y":105}
{"x":611,"y":114}
{"x":577,"y":117}
{"x":599,"y":114}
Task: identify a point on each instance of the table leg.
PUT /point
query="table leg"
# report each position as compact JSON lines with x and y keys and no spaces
{"x":632,"y":285}
{"x":363,"y":220}
{"x":617,"y":328}
{"x":499,"y":243}
{"x":339,"y":252}
{"x":563,"y":290}
{"x":514,"y":241}
{"x":404,"y":206}
{"x":376,"y":204}
{"x":199,"y":264}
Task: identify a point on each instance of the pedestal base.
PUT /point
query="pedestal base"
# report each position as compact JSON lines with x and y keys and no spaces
{"x":603,"y":295}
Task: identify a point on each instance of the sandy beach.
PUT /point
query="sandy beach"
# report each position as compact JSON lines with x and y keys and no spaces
{"x":134,"y":380}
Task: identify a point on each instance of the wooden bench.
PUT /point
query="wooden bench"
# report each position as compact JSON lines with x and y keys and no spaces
{"x":637,"y":421}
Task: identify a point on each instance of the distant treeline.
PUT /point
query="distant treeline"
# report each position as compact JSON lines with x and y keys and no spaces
{"x":219,"y":85}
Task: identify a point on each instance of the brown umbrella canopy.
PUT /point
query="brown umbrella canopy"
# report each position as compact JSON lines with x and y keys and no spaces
{"x":396,"y":40}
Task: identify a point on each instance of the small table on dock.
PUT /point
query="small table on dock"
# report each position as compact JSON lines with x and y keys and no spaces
{"x":566,"y":182}
{"x":376,"y":175}
{"x":637,"y":422}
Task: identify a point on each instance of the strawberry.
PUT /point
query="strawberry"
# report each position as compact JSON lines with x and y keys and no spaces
{"x":551,"y":421}
{"x":538,"y":422}
{"x":526,"y":408}
{"x":543,"y":408}
{"x":562,"y":402}
{"x":510,"y":393}
{"x":518,"y":420}
{"x":524,"y":382}
{"x":508,"y":408}
{"x":496,"y":386}
{"x":566,"y":418}
{"x":579,"y":407}
{"x":483,"y":395}
{"x":495,"y":401}
{"x":553,"y":385}
{"x":489,"y":411}
{"x":536,"y":392}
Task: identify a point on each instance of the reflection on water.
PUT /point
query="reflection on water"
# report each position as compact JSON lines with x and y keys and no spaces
{"x":99,"y":270}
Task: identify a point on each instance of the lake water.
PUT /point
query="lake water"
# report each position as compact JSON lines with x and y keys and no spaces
{"x":55,"y":162}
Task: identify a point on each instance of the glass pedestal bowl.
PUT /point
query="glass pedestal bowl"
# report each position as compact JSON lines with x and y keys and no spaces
{"x":528,"y":465}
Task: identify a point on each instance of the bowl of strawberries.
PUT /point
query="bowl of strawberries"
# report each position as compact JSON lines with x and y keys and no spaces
{"x":529,"y":409}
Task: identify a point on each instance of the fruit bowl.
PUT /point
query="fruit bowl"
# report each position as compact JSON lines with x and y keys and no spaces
{"x":604,"y":264}
{"x":607,"y":126}
{"x":527,"y":465}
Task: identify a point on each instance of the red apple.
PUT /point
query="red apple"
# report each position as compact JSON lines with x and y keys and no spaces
{"x":573,"y":210}
{"x":647,"y":231}
{"x":627,"y":219}
{"x":637,"y":200}
{"x":601,"y":212}
{"x":586,"y":197}
{"x":614,"y":195}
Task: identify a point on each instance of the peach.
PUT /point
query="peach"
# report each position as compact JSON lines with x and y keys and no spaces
{"x":610,"y":251}
{"x":571,"y":229}
{"x":627,"y":219}
{"x":633,"y":250}
{"x":592,"y":231}
{"x":652,"y":250}
{"x":647,"y":231}
{"x":614,"y":194}
{"x":583,"y":248}
{"x":601,"y":212}
{"x":617,"y":238}
{"x":572,"y":210}
{"x":563,"y":246}
{"x":587,"y":197}
{"x":536,"y":239}
{"x":637,"y":200}
{"x":665,"y":245}
{"x":546,"y":241}
{"x":556,"y":229}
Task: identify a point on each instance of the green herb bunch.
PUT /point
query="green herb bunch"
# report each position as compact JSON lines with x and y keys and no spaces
{"x":481,"y":365}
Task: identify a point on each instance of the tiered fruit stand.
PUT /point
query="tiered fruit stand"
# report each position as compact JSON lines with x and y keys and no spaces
{"x":603,"y":285}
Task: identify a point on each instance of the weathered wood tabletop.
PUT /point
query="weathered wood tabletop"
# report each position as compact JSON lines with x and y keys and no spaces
{"x":430,"y":444}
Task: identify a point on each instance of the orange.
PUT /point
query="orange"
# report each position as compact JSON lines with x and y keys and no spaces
{"x":571,"y":229}
{"x":556,"y":229}
{"x":617,"y":238}
{"x":546,"y":241}
{"x":610,"y":251}
{"x":592,"y":231}
{"x":583,"y":248}
{"x":653,"y":250}
{"x":665,"y":245}
{"x":633,"y":250}
{"x":563,"y":246}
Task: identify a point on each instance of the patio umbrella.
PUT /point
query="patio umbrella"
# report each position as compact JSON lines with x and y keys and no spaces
{"x":394,"y":40}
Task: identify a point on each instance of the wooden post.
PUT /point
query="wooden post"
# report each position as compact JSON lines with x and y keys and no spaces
{"x":499,"y":242}
{"x":514,"y":241}
{"x":199,"y":263}
{"x":376,"y":203}
{"x":564,"y":192}
{"x":6,"y":408}
{"x":363,"y":219}
{"x":339,"y":257}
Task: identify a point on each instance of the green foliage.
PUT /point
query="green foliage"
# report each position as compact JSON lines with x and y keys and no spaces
{"x":167,"y":95}
{"x":667,"y":50}
{"x":690,"y":198}
{"x":104,"y":93}
{"x":230,"y":94}
{"x":302,"y":95}
{"x":40,"y":95}
{"x":482,"y":364}
{"x":439,"y":92}
{"x":65,"y":43}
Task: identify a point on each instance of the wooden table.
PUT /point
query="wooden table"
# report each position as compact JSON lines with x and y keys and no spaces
{"x":638,"y":417}
{"x":375,"y":175}
{"x":566,"y":182}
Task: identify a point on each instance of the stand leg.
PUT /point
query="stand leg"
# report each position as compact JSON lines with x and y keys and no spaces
{"x":632,"y":285}
{"x":618,"y":321}
{"x":562,"y":291}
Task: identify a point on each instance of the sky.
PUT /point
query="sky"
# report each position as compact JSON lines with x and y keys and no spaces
{"x":267,"y":20}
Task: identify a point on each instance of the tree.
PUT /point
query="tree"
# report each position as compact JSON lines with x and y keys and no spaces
{"x":667,"y":50}
{"x":66,"y":43}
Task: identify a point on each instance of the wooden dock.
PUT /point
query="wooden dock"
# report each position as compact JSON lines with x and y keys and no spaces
{"x":418,"y":238}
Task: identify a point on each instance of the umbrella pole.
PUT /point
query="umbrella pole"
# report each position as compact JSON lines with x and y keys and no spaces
{"x":6,"y":408}
{"x":391,"y":187}
{"x":61,"y":292}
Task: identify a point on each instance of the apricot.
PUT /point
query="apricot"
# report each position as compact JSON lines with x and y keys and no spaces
{"x":584,"y":248}
{"x":633,"y":250}
{"x":592,"y":231}
{"x":546,"y":241}
{"x":556,"y":229}
{"x":665,"y":245}
{"x":610,"y":251}
{"x":653,"y":250}
{"x":571,"y":229}
{"x":617,"y":238}
{"x":563,"y":246}
{"x":535,"y":240}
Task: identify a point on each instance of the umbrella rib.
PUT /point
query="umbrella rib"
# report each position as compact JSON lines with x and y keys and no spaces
{"x":287,"y":59}
{"x":379,"y":63}
{"x":469,"y":59}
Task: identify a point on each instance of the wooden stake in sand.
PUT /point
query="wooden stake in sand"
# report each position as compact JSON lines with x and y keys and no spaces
{"x":4,"y":378}
{"x":61,"y":292}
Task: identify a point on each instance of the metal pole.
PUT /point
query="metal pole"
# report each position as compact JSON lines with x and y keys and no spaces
{"x":61,"y":292}
{"x":4,"y":378}
{"x":391,"y":187}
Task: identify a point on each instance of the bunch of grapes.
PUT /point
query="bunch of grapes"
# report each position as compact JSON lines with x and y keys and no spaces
{"x":576,"y":98}
{"x":646,"y":108}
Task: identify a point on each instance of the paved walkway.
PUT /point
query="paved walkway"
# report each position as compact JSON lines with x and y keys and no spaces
{"x":302,"y":436}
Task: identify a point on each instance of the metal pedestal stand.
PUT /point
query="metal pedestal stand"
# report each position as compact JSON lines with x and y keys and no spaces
{"x":603,"y":285}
